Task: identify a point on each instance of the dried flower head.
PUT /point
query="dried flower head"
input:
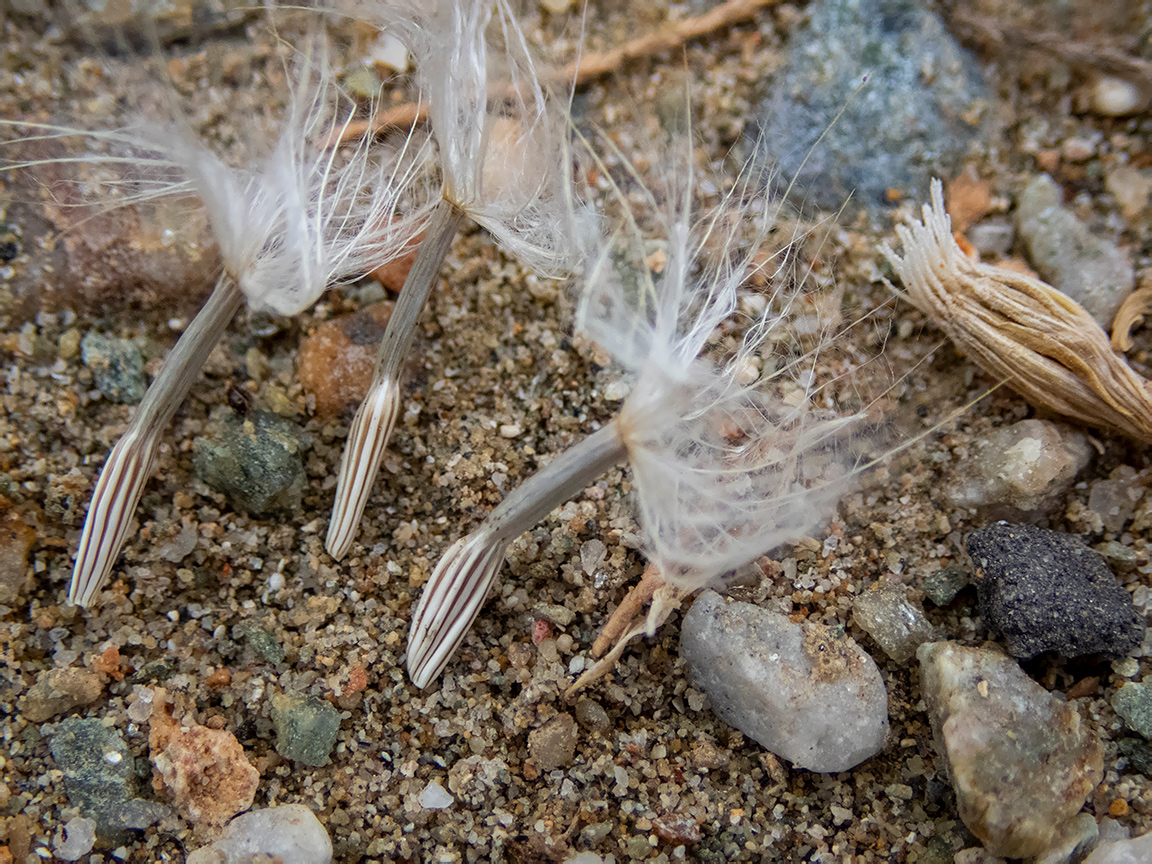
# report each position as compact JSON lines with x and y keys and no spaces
{"x":724,"y":468}
{"x":1020,"y":330}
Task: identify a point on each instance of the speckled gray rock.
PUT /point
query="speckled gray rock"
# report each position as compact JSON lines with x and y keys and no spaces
{"x":897,"y":624}
{"x":1133,"y":702}
{"x":1019,"y":472}
{"x":553,"y":745}
{"x":97,"y":767}
{"x":290,"y":834}
{"x":306,"y":728}
{"x":807,"y":694}
{"x":1138,"y":850}
{"x":255,"y":461}
{"x":1115,"y":499}
{"x":1046,"y":591}
{"x":917,"y":115}
{"x":942,"y":586}
{"x":1089,"y":269}
{"x":117,"y":367}
{"x":1020,"y":759}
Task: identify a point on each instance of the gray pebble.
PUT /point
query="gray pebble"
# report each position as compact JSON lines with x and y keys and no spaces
{"x":886,"y":614}
{"x":942,"y":586}
{"x":117,"y":367}
{"x":1019,"y":472}
{"x":1021,"y":760}
{"x":97,"y":767}
{"x":1133,"y":702}
{"x":306,"y":728}
{"x":1092,"y":271}
{"x":803,"y":692}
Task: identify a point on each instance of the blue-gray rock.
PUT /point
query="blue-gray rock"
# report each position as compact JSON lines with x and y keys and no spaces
{"x":802,"y":691}
{"x":306,"y":728}
{"x":923,"y":105}
{"x":117,"y":367}
{"x":97,"y":768}
{"x":1046,"y":591}
{"x":1089,"y":269}
{"x":255,"y":461}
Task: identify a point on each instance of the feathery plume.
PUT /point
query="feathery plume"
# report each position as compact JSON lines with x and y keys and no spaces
{"x":501,"y":166}
{"x":288,"y":225}
{"x":723,"y":470}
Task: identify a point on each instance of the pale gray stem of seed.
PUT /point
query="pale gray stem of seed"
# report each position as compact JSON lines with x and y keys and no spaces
{"x":457,"y":589}
{"x":129,"y":464}
{"x":372,"y":426}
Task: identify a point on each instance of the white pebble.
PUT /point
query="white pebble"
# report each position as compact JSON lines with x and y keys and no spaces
{"x":434,"y":797}
{"x":289,"y":833}
{"x":76,"y":839}
{"x":1116,"y":97}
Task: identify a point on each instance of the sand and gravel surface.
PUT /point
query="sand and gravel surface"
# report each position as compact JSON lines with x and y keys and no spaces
{"x":241,"y":618}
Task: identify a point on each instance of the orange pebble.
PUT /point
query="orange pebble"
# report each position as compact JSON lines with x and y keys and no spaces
{"x":1118,"y":807}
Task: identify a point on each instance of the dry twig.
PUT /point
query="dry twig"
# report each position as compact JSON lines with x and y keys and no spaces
{"x":1021,"y":330}
{"x":1129,"y":316}
{"x":588,"y":68}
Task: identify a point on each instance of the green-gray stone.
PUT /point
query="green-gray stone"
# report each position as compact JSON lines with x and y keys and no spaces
{"x":306,"y":728}
{"x":942,"y":586}
{"x":256,"y":462}
{"x":117,"y":367}
{"x":1133,"y":702}
{"x":264,"y":641}
{"x":1139,"y":754}
{"x":97,"y":768}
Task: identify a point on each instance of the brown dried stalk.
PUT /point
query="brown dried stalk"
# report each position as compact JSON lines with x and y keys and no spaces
{"x":589,"y":67}
{"x":1021,"y":330}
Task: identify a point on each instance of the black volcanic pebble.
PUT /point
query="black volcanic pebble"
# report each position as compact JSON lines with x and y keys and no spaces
{"x":1047,"y":591}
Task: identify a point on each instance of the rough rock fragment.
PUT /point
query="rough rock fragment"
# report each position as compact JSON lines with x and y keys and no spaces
{"x":255,"y":461}
{"x":306,"y":728}
{"x":1020,"y":471}
{"x":336,"y":360}
{"x":203,"y":771}
{"x":1047,"y":591}
{"x":1020,"y":759}
{"x":289,"y":834}
{"x":888,"y":616}
{"x":117,"y":367}
{"x":60,"y":690}
{"x":97,"y":767}
{"x":1133,"y":702}
{"x":553,"y":745}
{"x":807,"y":694}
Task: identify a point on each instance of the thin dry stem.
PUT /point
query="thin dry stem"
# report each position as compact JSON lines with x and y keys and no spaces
{"x":1021,"y":330}
{"x":130,"y":463}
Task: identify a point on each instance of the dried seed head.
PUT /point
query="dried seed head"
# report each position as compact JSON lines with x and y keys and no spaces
{"x":725,"y":467}
{"x":500,"y":139}
{"x":1020,"y":330}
